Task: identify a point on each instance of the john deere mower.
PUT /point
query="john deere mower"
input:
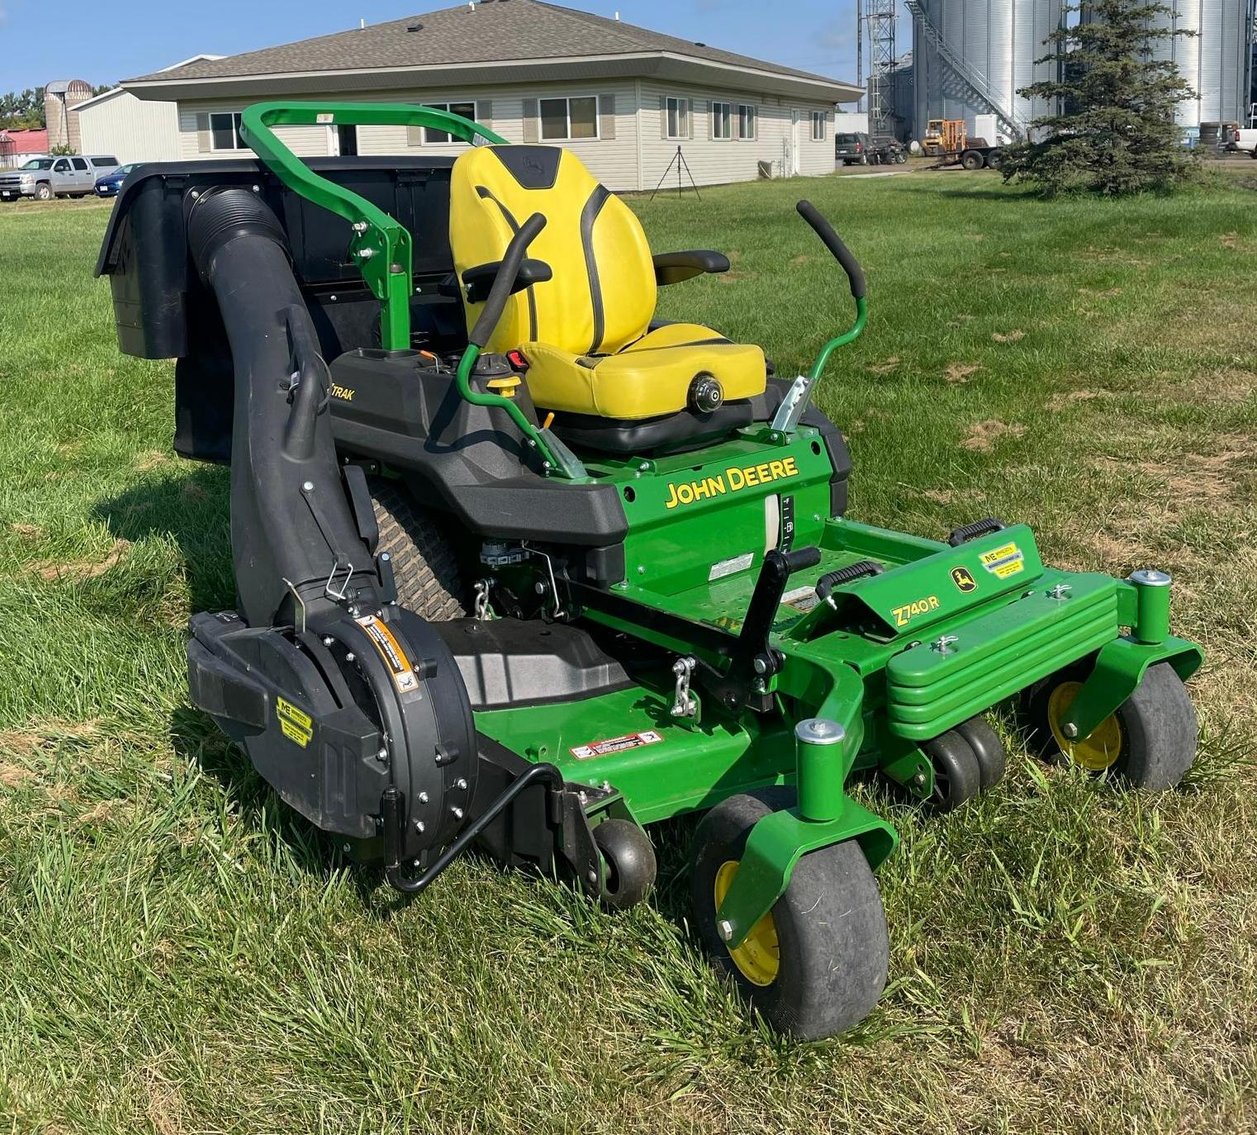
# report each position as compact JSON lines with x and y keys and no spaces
{"x":521,"y":567}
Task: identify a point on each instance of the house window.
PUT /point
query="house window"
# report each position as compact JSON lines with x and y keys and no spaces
{"x":433,"y":137}
{"x":569,"y":118}
{"x":746,"y":122}
{"x":722,"y":120}
{"x":225,"y":132}
{"x":678,"y":114}
{"x":818,"y":125}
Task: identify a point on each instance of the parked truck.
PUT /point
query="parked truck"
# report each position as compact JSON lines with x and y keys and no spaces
{"x":1240,"y":140}
{"x":49,"y":176}
{"x":948,"y":140}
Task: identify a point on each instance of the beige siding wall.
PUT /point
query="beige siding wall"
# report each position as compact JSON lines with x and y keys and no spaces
{"x":612,"y":160}
{"x":714,"y":161}
{"x":634,"y":159}
{"x":304,"y":141}
{"x":131,"y":130}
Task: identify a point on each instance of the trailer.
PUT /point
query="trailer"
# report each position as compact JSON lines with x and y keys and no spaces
{"x":947,"y":139}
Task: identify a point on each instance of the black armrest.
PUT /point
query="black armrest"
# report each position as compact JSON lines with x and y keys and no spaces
{"x":479,"y":280}
{"x":674,"y":267}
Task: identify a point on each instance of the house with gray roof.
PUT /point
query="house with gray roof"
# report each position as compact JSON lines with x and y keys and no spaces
{"x":623,"y":98}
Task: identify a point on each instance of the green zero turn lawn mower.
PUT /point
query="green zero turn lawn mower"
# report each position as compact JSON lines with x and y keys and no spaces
{"x":523,"y":568}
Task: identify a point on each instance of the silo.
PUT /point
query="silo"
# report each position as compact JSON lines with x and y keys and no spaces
{"x":1214,"y":61}
{"x":973,"y":56}
{"x":60,"y":98}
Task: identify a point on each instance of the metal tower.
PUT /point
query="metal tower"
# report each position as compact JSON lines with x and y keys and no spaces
{"x":879,"y":16}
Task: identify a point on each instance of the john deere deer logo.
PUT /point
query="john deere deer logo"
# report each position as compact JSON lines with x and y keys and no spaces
{"x":963,"y":578}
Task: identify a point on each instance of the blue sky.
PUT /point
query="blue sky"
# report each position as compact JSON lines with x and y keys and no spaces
{"x":103,"y":41}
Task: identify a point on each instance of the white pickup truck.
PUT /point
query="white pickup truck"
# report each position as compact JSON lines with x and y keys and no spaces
{"x":47,"y":177}
{"x":1242,"y":141}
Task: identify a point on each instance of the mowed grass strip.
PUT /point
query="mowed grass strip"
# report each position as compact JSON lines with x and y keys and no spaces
{"x":178,"y":953}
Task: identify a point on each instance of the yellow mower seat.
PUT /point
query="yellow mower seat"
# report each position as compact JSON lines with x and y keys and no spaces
{"x":585,"y":332}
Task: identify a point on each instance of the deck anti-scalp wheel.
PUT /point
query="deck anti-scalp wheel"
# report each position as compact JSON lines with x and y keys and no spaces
{"x":988,"y":748}
{"x":957,"y":772}
{"x":629,"y":863}
{"x":1148,"y":743}
{"x":816,"y":964}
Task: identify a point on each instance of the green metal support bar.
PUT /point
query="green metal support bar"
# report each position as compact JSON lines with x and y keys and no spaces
{"x":381,"y":247}
{"x":857,"y":328}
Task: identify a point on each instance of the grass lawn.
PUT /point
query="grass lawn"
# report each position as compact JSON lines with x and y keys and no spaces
{"x":179,"y":954}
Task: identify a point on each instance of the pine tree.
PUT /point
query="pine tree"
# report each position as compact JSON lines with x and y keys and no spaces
{"x":1116,"y":132}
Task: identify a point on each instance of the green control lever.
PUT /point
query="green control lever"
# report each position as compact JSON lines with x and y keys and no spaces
{"x":799,"y":397}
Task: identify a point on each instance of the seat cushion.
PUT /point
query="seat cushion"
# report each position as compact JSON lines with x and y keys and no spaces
{"x":650,"y":377}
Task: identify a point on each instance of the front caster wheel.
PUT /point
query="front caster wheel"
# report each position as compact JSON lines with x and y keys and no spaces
{"x":629,"y":860}
{"x":816,"y":964}
{"x":957,"y":773}
{"x":1148,"y":743}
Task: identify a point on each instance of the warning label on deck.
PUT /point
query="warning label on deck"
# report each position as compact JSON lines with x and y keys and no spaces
{"x":1005,"y":561}
{"x":404,"y":676}
{"x":615,"y":745}
{"x":296,"y":724}
{"x":802,"y":599}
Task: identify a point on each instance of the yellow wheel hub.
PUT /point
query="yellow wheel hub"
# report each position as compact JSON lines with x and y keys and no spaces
{"x":1097,"y":752}
{"x":759,"y":957}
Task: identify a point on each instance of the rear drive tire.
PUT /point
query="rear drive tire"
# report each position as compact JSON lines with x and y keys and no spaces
{"x":995,"y":159}
{"x":424,"y":563}
{"x":629,"y":859}
{"x":816,"y":964}
{"x":971,"y":160}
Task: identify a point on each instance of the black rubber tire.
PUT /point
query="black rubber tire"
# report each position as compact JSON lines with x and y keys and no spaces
{"x":957,"y":774}
{"x":424,"y":563}
{"x":831,"y":928}
{"x":43,"y":192}
{"x":629,"y":857}
{"x":971,"y":160}
{"x":988,"y":748}
{"x":1160,"y":732}
{"x":995,"y":159}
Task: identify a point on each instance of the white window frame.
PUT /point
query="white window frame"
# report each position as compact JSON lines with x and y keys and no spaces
{"x":567,"y":101}
{"x":237,"y":142}
{"x":743,"y":109}
{"x":727,"y":124}
{"x":682,"y":103}
{"x":450,"y":140}
{"x":820,"y":125}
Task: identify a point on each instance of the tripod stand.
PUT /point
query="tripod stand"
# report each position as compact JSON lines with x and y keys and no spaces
{"x":683,"y":169}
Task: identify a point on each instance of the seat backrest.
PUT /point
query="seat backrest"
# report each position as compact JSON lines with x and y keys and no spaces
{"x":602,"y":295}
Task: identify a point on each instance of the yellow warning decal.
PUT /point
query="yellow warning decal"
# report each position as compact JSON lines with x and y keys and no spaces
{"x":296,"y":724}
{"x":385,"y":642}
{"x":1004,"y":562}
